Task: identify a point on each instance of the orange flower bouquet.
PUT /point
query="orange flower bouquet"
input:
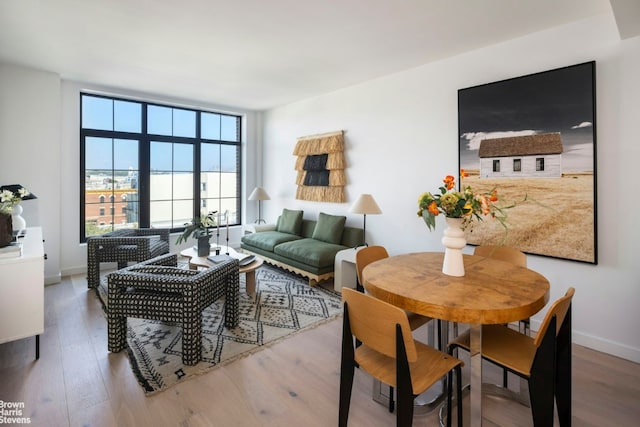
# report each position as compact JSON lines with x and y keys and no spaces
{"x":465,"y":204}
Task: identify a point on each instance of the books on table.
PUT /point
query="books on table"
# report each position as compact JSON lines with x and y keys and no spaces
{"x":243,"y":259}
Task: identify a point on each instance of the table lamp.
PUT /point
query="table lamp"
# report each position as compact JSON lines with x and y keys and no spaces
{"x":365,"y":204}
{"x":259,"y":194}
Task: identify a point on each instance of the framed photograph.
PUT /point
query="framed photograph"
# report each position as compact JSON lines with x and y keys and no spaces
{"x":533,"y":138}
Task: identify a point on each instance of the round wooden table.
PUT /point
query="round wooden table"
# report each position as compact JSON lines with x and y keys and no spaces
{"x":249,"y":270}
{"x":490,"y":292}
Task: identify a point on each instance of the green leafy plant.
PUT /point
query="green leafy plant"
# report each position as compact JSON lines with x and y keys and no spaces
{"x":198,"y":227}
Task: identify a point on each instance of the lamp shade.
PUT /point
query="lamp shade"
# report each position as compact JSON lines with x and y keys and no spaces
{"x":365,"y":204}
{"x":259,"y":193}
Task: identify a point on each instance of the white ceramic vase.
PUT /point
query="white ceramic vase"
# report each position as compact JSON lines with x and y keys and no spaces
{"x":453,"y":241}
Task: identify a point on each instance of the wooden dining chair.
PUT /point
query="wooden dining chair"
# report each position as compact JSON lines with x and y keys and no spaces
{"x":390,"y":354}
{"x":514,"y":256}
{"x":366,"y":256}
{"x":507,"y":254}
{"x":544,"y":361}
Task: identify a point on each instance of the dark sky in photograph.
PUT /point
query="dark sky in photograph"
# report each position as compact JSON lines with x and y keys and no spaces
{"x":551,"y":101}
{"x":558,"y":100}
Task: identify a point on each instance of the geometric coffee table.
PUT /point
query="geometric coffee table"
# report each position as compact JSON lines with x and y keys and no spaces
{"x":249,"y":270}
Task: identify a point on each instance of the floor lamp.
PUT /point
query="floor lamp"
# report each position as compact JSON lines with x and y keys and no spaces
{"x":365,"y":205}
{"x":259,"y":194}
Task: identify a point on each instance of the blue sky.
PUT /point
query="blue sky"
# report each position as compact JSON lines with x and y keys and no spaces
{"x":125,"y":116}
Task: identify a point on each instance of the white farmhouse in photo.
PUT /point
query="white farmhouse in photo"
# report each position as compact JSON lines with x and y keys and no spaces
{"x":531,"y":156}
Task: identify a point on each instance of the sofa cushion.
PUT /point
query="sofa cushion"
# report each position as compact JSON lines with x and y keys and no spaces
{"x":310,"y":251}
{"x":329,"y":228}
{"x":267,"y":240}
{"x":290,"y":222}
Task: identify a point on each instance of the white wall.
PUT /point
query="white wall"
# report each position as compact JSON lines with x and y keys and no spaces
{"x":30,"y":150}
{"x":401,"y":139}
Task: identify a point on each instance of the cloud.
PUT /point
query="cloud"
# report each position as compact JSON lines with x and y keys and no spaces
{"x":582,"y":125}
{"x":475,"y":138}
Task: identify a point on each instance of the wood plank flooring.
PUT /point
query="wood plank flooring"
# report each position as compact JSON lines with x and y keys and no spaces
{"x":295,"y":382}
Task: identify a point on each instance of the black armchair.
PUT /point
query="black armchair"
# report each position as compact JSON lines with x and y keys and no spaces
{"x":124,"y":246}
{"x":159,"y":290}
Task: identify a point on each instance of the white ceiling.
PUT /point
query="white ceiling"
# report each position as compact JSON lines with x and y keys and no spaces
{"x":258,"y":54}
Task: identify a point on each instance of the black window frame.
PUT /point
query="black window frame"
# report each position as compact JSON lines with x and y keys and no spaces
{"x":144,"y":141}
{"x":539,"y":164}
{"x":517,"y":165}
{"x":496,"y":165}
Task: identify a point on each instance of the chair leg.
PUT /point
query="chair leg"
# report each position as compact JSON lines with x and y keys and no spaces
{"x":392,"y":402}
{"x":232,"y":299}
{"x":404,"y":387}
{"x":93,"y":271}
{"x":458,"y":396}
{"x":563,"y":372}
{"x":459,"y":393}
{"x":191,"y":338}
{"x":543,"y":378}
{"x":541,"y":394}
{"x":360,"y":288}
{"x":347,"y":370}
{"x":116,"y":332}
{"x":449,"y":393}
{"x":404,"y":414}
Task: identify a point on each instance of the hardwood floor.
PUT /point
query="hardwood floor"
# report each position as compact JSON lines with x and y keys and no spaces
{"x":77,"y":382}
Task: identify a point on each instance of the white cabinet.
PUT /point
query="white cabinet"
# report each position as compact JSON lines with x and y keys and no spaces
{"x":22,"y":291}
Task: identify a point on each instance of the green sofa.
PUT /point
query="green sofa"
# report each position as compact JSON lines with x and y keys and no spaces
{"x":303,"y":246}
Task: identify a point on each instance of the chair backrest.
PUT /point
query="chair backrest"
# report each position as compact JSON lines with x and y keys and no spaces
{"x":502,"y":253}
{"x":374,"y":321}
{"x":559,"y":309}
{"x":366,"y":256}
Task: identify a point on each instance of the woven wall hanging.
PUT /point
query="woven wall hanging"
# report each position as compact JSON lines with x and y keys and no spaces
{"x":320,"y":165}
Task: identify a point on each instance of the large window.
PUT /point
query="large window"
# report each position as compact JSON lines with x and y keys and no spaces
{"x":155,"y":165}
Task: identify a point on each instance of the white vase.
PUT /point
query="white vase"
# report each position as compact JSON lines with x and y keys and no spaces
{"x":454,"y":241}
{"x":18,"y":222}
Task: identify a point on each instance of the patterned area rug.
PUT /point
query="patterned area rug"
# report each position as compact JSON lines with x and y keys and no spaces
{"x":282,"y":305}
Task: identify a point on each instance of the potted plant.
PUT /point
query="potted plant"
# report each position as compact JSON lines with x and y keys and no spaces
{"x":9,"y":199}
{"x":199,"y":228}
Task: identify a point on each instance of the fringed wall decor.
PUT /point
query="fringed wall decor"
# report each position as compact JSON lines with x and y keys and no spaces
{"x":320,"y":165}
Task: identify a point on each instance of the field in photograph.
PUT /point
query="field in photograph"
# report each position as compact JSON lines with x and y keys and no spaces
{"x":557,"y":219}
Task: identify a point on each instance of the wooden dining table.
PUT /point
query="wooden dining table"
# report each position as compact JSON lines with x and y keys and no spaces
{"x":490,"y":292}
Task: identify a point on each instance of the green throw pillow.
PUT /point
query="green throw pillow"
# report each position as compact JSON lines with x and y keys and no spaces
{"x":329,"y":228}
{"x":290,"y":222}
